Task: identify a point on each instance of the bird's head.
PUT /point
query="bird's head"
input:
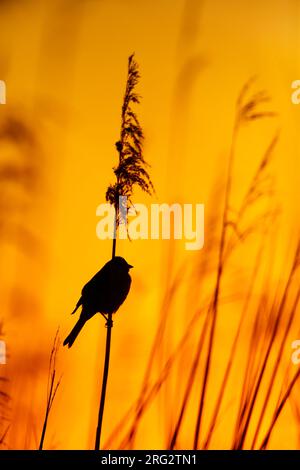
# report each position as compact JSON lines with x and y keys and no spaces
{"x":121,"y":263}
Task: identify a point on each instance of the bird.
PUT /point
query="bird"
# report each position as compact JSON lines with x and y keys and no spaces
{"x":104,"y":294}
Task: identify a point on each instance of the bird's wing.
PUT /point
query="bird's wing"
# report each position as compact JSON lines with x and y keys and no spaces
{"x":77,"y":305}
{"x":122,"y":291}
{"x":125,"y":288}
{"x":98,"y":284}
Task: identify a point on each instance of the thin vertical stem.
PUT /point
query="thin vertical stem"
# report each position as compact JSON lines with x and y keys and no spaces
{"x":44,"y":428}
{"x":114,"y":248}
{"x":131,"y":171}
{"x":51,"y":389}
{"x":109,"y":325}
{"x":104,"y":382}
{"x":115,"y":236}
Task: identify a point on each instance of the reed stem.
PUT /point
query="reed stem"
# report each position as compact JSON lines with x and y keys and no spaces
{"x":109,"y":325}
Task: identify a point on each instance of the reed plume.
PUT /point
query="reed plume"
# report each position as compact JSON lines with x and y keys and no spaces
{"x":132,"y":170}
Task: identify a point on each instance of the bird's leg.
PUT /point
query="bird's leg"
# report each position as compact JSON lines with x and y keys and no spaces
{"x":109,"y":322}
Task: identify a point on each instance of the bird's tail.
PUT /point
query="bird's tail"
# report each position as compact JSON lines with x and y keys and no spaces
{"x":74,"y":333}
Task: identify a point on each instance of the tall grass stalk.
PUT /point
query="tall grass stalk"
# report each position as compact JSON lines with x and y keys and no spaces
{"x":255,"y":192}
{"x":131,"y":171}
{"x":276,"y":367}
{"x":51,"y":388}
{"x":278,"y":409}
{"x":109,"y":325}
{"x":246,"y":111}
{"x":275,"y":329}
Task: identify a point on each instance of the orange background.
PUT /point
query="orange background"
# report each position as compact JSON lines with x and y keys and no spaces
{"x":64,"y":64}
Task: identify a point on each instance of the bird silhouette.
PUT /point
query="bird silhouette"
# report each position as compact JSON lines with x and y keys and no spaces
{"x":104,"y":294}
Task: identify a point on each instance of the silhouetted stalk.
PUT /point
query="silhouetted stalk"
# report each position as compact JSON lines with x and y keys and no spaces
{"x":51,"y":392}
{"x":275,"y":369}
{"x":279,"y":409}
{"x":250,"y":376}
{"x":131,"y":171}
{"x":109,"y":325}
{"x":104,"y":381}
{"x":242,"y":438}
{"x":46,"y":415}
{"x":149,"y":394}
{"x":144,"y":400}
{"x":2,"y":438}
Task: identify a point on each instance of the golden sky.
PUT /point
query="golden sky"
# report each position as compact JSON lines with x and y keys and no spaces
{"x":64,"y":63}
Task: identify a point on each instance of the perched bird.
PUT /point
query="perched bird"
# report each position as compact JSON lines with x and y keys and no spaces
{"x":104,"y":294}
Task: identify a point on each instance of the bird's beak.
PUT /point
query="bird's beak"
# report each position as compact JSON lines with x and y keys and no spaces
{"x":129,"y":266}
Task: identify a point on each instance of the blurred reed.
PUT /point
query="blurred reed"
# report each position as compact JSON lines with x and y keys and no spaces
{"x":266,"y":317}
{"x":52,"y":386}
{"x":4,"y":400}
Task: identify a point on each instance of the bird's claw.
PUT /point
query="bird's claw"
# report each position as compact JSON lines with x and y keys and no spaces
{"x":109,"y":322}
